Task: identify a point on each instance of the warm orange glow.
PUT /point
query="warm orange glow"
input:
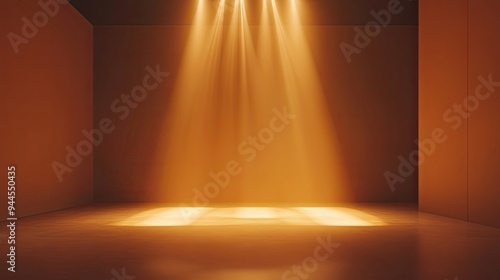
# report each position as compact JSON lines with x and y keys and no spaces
{"x":234,"y":79}
{"x":299,"y":216}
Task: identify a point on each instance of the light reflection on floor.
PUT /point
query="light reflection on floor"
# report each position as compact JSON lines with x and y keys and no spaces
{"x":85,"y":243}
{"x":296,"y":216}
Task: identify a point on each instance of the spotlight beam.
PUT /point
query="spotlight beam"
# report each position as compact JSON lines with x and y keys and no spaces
{"x":226,"y":92}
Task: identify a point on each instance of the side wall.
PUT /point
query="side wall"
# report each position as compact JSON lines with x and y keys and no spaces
{"x":458,"y":56}
{"x":46,"y":102}
{"x":484,"y":129}
{"x":442,"y":83}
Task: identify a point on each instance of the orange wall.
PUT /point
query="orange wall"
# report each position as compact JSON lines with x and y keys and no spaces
{"x":46,"y":103}
{"x":372,"y":102}
{"x":459,"y":44}
{"x":484,"y":132}
{"x":443,"y":82}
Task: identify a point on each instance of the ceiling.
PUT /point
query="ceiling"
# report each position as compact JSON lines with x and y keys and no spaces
{"x":180,"y":12}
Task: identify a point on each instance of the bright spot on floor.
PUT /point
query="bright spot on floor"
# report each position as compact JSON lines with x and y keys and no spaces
{"x":296,"y":216}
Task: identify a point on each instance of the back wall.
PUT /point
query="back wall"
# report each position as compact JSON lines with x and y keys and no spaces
{"x":372,"y":101}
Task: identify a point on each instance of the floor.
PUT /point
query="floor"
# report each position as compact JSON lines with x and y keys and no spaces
{"x":348,"y":242}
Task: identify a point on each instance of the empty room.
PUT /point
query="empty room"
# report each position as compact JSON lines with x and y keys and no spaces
{"x":250,"y":139}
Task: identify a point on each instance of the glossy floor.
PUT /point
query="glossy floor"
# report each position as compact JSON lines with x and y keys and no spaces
{"x":367,"y":242}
